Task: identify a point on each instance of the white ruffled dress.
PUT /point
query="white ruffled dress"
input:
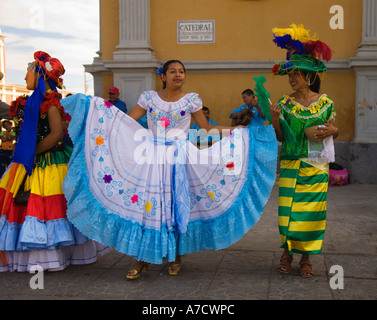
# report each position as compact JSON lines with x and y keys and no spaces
{"x":152,"y":194}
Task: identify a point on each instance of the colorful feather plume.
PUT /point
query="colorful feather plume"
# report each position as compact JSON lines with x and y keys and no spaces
{"x":297,"y":40}
{"x":292,"y":46}
{"x":296,"y":32}
{"x":318,"y":49}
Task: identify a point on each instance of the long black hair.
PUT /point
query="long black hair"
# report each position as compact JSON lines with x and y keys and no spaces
{"x":315,"y":83}
{"x":165,"y":68}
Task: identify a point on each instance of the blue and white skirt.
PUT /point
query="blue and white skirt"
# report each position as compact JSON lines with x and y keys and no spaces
{"x":154,"y":198}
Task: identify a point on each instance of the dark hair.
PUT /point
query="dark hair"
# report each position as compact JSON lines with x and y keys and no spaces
{"x":165,"y":68}
{"x":315,"y":82}
{"x":249,"y":92}
{"x":205,"y":108}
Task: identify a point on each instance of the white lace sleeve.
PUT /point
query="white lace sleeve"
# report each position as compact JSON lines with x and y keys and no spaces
{"x":196,"y":103}
{"x":142,"y":102}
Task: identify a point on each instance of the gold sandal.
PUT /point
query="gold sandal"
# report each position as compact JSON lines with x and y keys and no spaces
{"x":134,"y":273}
{"x":174,"y":268}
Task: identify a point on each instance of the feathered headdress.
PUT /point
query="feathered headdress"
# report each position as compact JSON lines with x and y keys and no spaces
{"x":303,"y":50}
{"x":297,"y":40}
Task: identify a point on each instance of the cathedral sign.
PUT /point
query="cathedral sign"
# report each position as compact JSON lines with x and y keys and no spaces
{"x":198,"y":31}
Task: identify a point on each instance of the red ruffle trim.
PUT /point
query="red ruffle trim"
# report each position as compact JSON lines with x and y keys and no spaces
{"x":44,"y":208}
{"x":51,"y":99}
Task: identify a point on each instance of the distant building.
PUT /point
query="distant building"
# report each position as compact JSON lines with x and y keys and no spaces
{"x":10,"y":91}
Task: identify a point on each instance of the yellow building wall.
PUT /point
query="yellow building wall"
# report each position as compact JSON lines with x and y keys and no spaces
{"x":109,"y":27}
{"x":243,"y":27}
{"x":109,"y":36}
{"x":243,"y":32}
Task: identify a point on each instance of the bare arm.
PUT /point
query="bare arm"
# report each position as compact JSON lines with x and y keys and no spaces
{"x":137,"y":113}
{"x":236,"y":115}
{"x":56,"y":133}
{"x":202,"y":122}
{"x":330,"y":130}
{"x":259,"y":110}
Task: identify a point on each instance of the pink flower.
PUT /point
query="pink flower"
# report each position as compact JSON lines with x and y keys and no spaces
{"x":165,"y":122}
{"x":135,"y":198}
{"x":229,"y":134}
{"x":108,"y":104}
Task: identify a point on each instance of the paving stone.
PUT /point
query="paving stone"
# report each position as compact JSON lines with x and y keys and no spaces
{"x":247,"y":270}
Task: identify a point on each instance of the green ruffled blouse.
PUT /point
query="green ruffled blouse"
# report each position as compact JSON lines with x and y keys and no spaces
{"x":299,"y":118}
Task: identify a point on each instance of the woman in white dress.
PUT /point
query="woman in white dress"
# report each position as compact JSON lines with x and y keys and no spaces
{"x":153,"y":195}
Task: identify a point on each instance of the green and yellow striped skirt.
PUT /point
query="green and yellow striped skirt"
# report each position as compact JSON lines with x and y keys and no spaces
{"x":302,"y":205}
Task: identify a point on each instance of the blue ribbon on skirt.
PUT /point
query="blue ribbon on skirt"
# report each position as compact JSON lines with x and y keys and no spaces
{"x":180,"y":185}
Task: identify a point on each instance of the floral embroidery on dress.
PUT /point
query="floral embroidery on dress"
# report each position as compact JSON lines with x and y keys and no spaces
{"x":108,"y":104}
{"x":134,"y":198}
{"x":106,"y":174}
{"x":164,"y":120}
{"x":167,"y":120}
{"x":297,"y":108}
{"x":316,"y":108}
{"x":138,"y":200}
{"x":211,"y":194}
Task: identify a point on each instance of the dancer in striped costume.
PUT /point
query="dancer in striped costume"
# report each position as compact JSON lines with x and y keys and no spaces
{"x":304,"y":123}
{"x":302,"y":206}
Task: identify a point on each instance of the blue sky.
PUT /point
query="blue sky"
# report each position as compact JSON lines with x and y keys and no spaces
{"x":67,"y":30}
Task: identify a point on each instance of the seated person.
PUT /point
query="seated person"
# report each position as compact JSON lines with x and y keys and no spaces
{"x":197,"y":136}
{"x":144,"y":121}
{"x":255,"y":111}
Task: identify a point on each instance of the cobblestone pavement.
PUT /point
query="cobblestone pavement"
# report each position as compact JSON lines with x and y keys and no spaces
{"x":245,"y":271}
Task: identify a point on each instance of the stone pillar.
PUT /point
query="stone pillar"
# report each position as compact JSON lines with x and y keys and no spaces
{"x":364,"y":146}
{"x":368,"y":45}
{"x":365,"y":65}
{"x":2,"y":59}
{"x":134,"y":31}
{"x":134,"y":65}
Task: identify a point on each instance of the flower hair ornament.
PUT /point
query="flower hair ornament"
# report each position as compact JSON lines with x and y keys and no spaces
{"x":50,"y":67}
{"x":304,"y":52}
{"x":159,"y":71}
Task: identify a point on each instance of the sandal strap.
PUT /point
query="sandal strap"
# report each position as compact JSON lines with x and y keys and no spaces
{"x":306,"y":262}
{"x":306,"y":269}
{"x":286,"y":258}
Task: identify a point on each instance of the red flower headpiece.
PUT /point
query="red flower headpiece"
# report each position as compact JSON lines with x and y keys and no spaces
{"x":51,"y":66}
